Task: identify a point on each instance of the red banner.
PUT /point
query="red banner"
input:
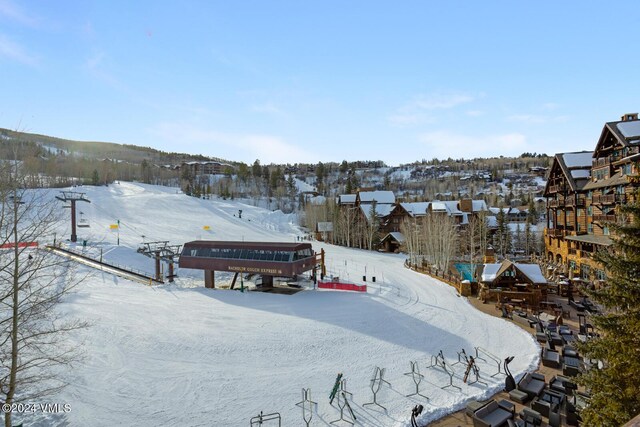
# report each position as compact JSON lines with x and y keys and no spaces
{"x":342,"y":286}
{"x":20,"y":245}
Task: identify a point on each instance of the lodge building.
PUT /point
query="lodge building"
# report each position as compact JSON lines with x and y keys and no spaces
{"x":584,"y":192}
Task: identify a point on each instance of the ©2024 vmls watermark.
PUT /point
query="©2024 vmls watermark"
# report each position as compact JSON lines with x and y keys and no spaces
{"x":45,"y":408}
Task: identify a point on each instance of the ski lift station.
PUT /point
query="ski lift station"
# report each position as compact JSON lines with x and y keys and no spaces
{"x":267,"y":259}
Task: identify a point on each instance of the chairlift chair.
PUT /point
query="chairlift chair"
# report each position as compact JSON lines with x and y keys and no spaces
{"x":82,"y":221}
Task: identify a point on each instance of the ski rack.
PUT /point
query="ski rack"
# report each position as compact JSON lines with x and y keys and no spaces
{"x":437,"y":361}
{"x":461,"y":354}
{"x":472,"y":367}
{"x":449,"y":372}
{"x":376,"y":383}
{"x":258,"y":420}
{"x":490,"y":356}
{"x":307,"y":406}
{"x":345,"y":404}
{"x":417,"y":379}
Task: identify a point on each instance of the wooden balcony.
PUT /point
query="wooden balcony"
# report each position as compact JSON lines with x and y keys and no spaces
{"x":554,"y":203}
{"x":598,"y":163}
{"x":604,"y":218}
{"x":555,"y":188}
{"x":555,"y":232}
{"x":574,"y":200}
{"x":609,"y":199}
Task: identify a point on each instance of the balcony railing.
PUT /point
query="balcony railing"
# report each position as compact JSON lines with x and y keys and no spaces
{"x":554,"y":232}
{"x":574,"y":200}
{"x":554,"y":203}
{"x":604,"y":218}
{"x":597,"y":163}
{"x":555,"y":188}
{"x":606,"y":199}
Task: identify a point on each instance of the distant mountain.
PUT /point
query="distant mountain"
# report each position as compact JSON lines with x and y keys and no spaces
{"x":94,"y":149}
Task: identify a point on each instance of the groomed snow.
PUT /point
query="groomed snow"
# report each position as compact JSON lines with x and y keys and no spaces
{"x":180,"y":354}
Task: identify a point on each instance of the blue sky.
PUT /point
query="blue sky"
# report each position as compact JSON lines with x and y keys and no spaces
{"x":302,"y":81}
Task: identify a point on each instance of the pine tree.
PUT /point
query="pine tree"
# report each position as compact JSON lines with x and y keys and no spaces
{"x":614,"y":389}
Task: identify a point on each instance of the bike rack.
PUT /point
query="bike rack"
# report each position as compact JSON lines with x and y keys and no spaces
{"x":307,"y":405}
{"x":258,"y":420}
{"x":490,"y":356}
{"x":376,"y":383}
{"x":417,"y":379}
{"x":345,"y":404}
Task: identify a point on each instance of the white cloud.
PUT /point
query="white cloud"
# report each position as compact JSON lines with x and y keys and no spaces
{"x":14,"y":51}
{"x":232,"y":146}
{"x":423,"y":107}
{"x":443,"y":144}
{"x":441,"y":101}
{"x":475,"y":113}
{"x":12,"y":11}
{"x":269,"y":108}
{"x":536,"y":118}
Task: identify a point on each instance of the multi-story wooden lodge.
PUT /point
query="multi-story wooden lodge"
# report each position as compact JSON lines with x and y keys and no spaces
{"x":584,"y":191}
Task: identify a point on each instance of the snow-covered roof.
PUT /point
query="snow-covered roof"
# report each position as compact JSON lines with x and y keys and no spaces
{"x":580,"y":173}
{"x":381,"y":210}
{"x":489,"y":272}
{"x":346,"y":198}
{"x":533,"y":272}
{"x":578,"y":160}
{"x":450,"y":207}
{"x":397,"y":236}
{"x":479,"y":205}
{"x":416,"y":208}
{"x":492,"y":221}
{"x":629,"y":129}
{"x":382,"y":197}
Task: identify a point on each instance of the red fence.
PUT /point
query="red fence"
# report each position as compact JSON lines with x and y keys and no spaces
{"x":20,"y":245}
{"x":342,"y":286}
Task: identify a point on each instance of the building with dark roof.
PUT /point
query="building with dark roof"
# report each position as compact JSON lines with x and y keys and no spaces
{"x":584,"y":191}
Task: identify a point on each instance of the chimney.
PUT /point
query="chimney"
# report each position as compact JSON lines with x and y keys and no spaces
{"x":629,"y":117}
{"x":466,"y":205}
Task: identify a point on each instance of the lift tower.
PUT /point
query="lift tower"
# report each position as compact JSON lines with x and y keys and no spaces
{"x":73,"y":197}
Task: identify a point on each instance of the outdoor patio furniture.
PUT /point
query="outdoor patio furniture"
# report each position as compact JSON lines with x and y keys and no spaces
{"x":530,"y":417}
{"x":518,"y":396}
{"x":474,"y":405}
{"x":562,"y":384}
{"x":571,"y":366}
{"x":569,"y":351}
{"x":564,"y":330}
{"x":494,"y":414}
{"x":532,"y":384}
{"x":548,"y":400}
{"x":551,"y":358}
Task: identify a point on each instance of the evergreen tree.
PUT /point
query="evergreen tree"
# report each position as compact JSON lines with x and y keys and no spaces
{"x":614,"y":389}
{"x":95,"y":178}
{"x":256,"y":169}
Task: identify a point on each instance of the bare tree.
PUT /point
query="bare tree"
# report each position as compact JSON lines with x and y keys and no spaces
{"x":439,"y":235}
{"x":410,"y":230}
{"x":372,"y":227}
{"x":33,"y":282}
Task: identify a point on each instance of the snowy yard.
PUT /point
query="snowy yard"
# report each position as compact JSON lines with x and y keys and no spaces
{"x":180,"y":354}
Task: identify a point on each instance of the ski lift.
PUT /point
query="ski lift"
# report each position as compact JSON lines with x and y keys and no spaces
{"x":83,"y":222}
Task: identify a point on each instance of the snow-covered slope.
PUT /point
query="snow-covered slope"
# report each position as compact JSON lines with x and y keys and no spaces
{"x":183,"y":355}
